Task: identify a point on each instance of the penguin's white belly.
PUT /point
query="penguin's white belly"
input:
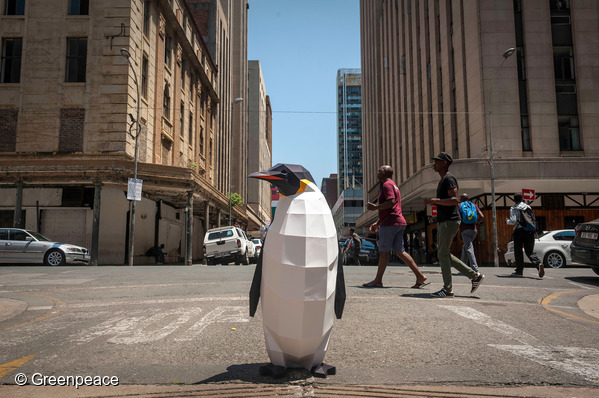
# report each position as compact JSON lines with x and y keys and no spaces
{"x":299,"y":272}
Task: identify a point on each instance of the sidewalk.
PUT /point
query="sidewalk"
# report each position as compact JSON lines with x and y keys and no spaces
{"x":303,"y":388}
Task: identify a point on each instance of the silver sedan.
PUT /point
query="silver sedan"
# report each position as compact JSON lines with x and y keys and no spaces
{"x":23,"y":246}
{"x":553,"y":249}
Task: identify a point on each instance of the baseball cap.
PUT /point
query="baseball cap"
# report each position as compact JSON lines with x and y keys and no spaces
{"x":444,"y":156}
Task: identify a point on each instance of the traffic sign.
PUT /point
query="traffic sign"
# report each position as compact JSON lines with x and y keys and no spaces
{"x":134,"y":189}
{"x":528,"y":194}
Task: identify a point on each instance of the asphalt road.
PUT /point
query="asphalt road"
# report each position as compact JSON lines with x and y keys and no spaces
{"x":165,"y":325}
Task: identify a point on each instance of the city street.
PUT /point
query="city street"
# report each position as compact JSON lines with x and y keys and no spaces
{"x":165,"y":325}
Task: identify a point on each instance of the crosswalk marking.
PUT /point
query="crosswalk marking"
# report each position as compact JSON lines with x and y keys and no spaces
{"x":583,"y":362}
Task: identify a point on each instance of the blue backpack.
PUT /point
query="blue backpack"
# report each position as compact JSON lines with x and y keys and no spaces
{"x":468,"y":213}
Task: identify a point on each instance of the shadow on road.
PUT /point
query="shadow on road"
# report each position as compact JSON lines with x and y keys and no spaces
{"x":518,"y":277}
{"x":428,"y":296}
{"x":250,"y":373}
{"x":587,"y":280}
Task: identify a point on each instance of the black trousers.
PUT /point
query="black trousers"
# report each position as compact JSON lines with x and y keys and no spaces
{"x":524,"y":239}
{"x":356,"y":256}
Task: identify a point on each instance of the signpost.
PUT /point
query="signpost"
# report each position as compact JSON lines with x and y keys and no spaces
{"x":528,"y":194}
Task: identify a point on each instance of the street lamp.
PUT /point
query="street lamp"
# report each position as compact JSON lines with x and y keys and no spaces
{"x":235,"y":101}
{"x":506,"y":54}
{"x":125,"y":53}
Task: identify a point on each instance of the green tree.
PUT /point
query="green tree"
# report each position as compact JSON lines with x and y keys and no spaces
{"x":235,"y":199}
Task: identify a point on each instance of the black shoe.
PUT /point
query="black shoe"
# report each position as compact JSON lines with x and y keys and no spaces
{"x":516,"y":274}
{"x":541,"y":269}
{"x":476,"y":282}
{"x":442,"y":293}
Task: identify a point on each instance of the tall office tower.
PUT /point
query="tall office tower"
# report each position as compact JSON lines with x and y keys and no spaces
{"x":349,"y":145}
{"x":349,"y":129}
{"x":508,"y":88}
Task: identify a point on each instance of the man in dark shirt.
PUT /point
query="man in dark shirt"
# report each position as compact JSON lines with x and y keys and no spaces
{"x":448,"y":224}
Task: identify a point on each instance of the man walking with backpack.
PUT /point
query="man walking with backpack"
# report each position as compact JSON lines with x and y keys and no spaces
{"x":356,"y":245}
{"x":470,"y":216}
{"x":448,"y":220}
{"x":524,"y":222}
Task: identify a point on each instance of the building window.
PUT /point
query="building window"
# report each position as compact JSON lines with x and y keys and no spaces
{"x":10,"y":69}
{"x":167,"y":51}
{"x":144,"y":75}
{"x":14,"y":7}
{"x":192,"y":80}
{"x":166,"y":102}
{"x":72,"y":124}
{"x":78,"y":7}
{"x":181,"y":119}
{"x":183,"y":75}
{"x":146,"y":25}
{"x":202,"y":140}
{"x":9,"y":118}
{"x":190,"y":142}
{"x":569,"y":134}
{"x":76,"y":59}
{"x":525,"y":133}
{"x":563,"y":62}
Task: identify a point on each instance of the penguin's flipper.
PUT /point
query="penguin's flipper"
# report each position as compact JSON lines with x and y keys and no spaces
{"x":256,"y":282}
{"x":339,"y":288}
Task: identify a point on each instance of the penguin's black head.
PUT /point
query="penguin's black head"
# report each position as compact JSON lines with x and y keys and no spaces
{"x":286,"y":177}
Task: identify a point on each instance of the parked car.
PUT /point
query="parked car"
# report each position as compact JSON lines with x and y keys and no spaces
{"x":369,"y":253}
{"x":552,"y":247}
{"x":23,"y":246}
{"x":227,"y":244}
{"x":258,"y":245}
{"x":585,"y":246}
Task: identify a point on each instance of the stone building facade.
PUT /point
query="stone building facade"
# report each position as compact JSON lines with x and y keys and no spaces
{"x":259,"y":141}
{"x":68,"y":126}
{"x":437,"y":76}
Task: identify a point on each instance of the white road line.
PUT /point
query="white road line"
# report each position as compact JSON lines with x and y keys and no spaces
{"x":580,"y":285}
{"x":583,"y":362}
{"x":154,"y":301}
{"x":498,"y":326}
{"x":40,"y":308}
{"x":219,"y":314}
{"x":126,"y":328}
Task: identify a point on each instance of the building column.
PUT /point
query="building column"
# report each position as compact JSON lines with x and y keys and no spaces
{"x":207,"y":216}
{"x":18,"y":205}
{"x":96,"y":224}
{"x":218,"y":216}
{"x":189,"y":229}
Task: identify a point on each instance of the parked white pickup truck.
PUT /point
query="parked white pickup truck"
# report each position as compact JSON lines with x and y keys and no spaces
{"x":225,"y":245}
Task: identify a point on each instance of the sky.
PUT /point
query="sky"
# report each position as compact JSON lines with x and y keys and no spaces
{"x":301,"y":45}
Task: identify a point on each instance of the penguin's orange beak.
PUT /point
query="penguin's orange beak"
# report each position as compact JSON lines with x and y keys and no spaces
{"x":264,"y":176}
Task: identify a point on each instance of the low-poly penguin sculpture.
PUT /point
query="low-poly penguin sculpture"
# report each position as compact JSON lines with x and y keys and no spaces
{"x":299,"y":275}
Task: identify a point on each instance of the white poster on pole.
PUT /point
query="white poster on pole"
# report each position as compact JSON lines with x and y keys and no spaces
{"x":134,"y":189}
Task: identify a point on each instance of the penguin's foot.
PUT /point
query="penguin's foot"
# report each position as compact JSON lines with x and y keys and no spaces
{"x":323,"y":370}
{"x":274,"y":371}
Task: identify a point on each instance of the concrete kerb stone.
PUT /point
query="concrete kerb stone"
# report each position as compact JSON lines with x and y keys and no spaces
{"x":590,"y":305}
